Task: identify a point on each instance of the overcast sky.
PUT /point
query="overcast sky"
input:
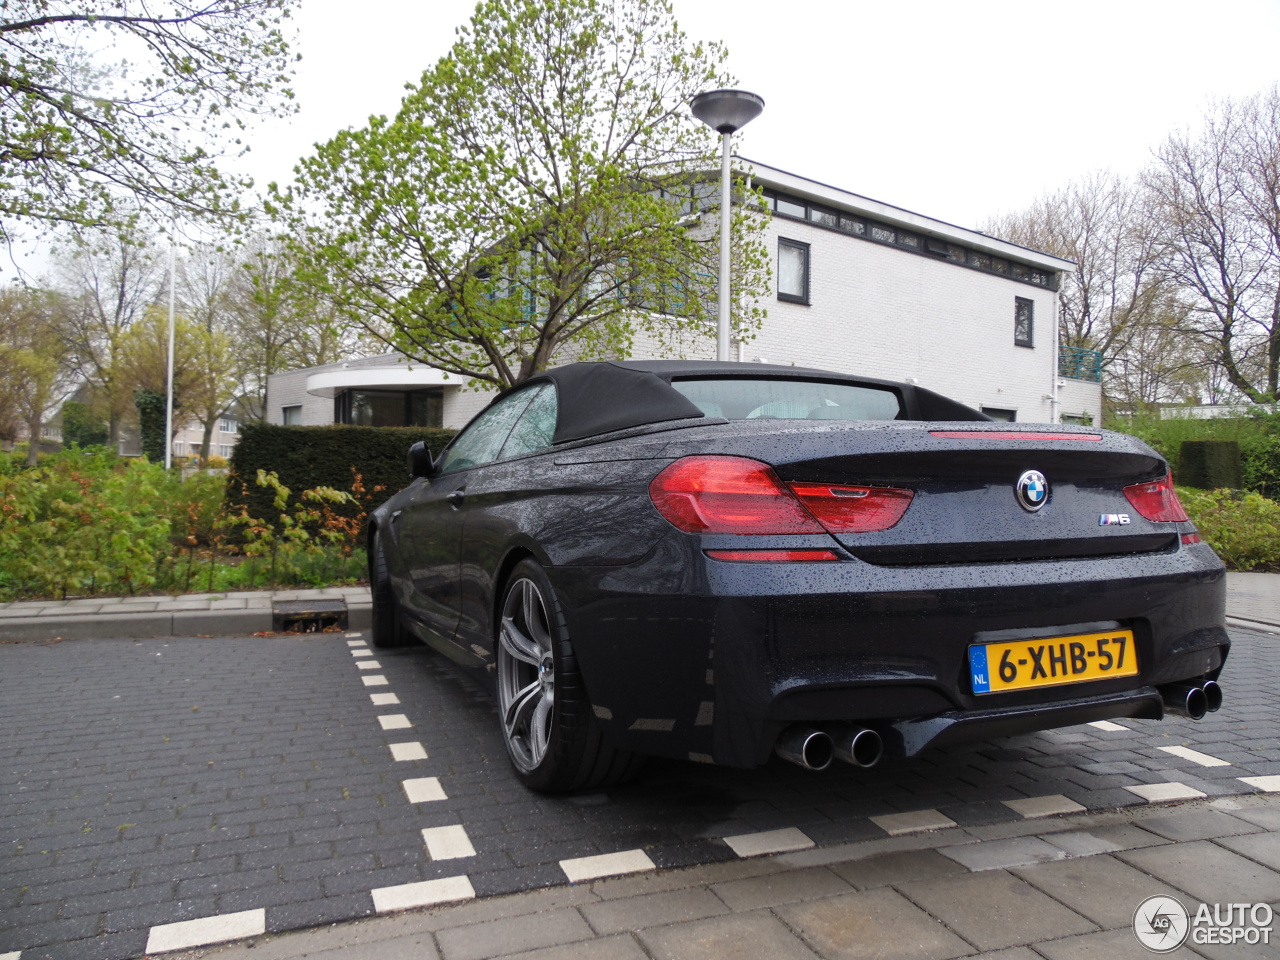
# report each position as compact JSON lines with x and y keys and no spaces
{"x":954,"y":110}
{"x":958,"y":111}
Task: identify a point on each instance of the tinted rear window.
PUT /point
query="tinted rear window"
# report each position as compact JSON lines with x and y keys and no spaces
{"x":748,"y":398}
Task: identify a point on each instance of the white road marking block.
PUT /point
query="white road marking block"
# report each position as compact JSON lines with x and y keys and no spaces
{"x":206,"y":930}
{"x":896,"y":824}
{"x":351,"y":635}
{"x":1195,"y":756}
{"x":448,"y":843}
{"x":768,"y":841}
{"x":377,"y":680}
{"x":606,"y":865}
{"x":425,"y":893}
{"x":1156,"y":792}
{"x":11,"y":956}
{"x":407,"y":751}
{"x":368,"y":665}
{"x":1265,"y":784}
{"x":424,"y":790}
{"x":383,"y":699}
{"x":1049,"y":806}
{"x":394,"y":721}
{"x":355,"y":643}
{"x":1109,"y":726}
{"x":361,"y":652}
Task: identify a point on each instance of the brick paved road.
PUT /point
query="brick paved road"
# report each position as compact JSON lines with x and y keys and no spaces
{"x":144,"y":783}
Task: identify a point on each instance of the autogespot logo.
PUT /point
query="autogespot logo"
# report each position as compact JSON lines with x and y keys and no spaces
{"x":1161,"y":924}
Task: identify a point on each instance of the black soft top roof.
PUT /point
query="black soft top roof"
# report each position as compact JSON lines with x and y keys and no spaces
{"x":596,"y":398}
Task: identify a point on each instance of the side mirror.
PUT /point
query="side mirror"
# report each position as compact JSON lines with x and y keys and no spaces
{"x":421,"y":463}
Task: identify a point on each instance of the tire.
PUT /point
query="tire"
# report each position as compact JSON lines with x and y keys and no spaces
{"x":388,"y":631}
{"x":552,"y":735}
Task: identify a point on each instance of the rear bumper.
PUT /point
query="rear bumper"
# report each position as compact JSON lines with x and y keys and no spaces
{"x":689,"y":657}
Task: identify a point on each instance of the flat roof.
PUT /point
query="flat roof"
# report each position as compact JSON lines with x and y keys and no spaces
{"x":768,"y":176}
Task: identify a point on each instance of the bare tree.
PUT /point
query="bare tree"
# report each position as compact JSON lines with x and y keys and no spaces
{"x":1217,"y":231}
{"x":113,"y":279}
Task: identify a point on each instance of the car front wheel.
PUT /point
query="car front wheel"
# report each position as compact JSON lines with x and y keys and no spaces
{"x":553,"y":738}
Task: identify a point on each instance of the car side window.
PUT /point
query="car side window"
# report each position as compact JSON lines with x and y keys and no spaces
{"x":481,"y":442}
{"x":536,"y":426}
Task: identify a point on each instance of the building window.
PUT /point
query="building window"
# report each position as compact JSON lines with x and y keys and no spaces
{"x":177,"y":448}
{"x":389,"y":408}
{"x":229,"y":426}
{"x":224,"y":450}
{"x":1023,"y":322}
{"x":793,"y":271}
{"x":996,"y":413}
{"x":292,"y":416}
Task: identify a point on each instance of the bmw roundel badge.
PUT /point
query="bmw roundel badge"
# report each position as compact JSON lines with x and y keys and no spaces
{"x":1032,"y":490}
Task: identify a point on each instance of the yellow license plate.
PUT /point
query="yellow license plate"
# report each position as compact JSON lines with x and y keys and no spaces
{"x":1051,"y":661}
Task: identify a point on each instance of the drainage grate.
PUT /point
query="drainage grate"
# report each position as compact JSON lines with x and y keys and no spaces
{"x":308,"y":616}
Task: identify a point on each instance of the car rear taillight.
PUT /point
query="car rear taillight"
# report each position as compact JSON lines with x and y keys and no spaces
{"x":738,"y":495}
{"x":728,"y":495}
{"x":853,"y":509}
{"x":1156,"y":500}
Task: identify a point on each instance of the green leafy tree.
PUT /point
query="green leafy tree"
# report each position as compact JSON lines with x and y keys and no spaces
{"x":79,"y":133}
{"x":81,"y":427}
{"x":34,"y":372}
{"x":540,"y":194}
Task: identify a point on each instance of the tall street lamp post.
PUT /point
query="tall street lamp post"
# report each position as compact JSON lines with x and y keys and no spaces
{"x":725,"y":111}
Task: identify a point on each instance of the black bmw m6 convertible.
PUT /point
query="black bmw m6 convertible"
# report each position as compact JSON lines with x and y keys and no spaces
{"x":717,"y":561}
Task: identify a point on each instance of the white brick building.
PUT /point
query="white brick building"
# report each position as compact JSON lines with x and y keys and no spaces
{"x":859,"y":287}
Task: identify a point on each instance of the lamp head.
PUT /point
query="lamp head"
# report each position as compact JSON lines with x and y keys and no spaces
{"x":726,"y":110}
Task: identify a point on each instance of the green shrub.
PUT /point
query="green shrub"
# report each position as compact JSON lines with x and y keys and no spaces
{"x":77,"y":524}
{"x":1244,"y":528}
{"x":1210,"y":464}
{"x":1262,"y":466}
{"x":81,"y":427}
{"x":370,"y":462}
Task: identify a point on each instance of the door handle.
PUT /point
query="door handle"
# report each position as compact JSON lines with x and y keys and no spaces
{"x":455,"y":499}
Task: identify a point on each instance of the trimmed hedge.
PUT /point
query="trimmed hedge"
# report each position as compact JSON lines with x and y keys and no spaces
{"x":307,"y":457}
{"x":1210,"y":464}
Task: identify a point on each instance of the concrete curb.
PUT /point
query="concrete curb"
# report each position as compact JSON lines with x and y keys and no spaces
{"x":158,"y":623}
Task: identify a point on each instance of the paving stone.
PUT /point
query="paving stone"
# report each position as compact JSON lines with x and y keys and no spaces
{"x":771,"y":889}
{"x":1103,"y":889}
{"x":894,"y":868}
{"x":1200,"y":824}
{"x":914,"y":821}
{"x":999,"y":854}
{"x":498,"y":937}
{"x":995,"y":909}
{"x":749,"y":936}
{"x":1106,"y":945}
{"x":656,"y":909}
{"x":1207,"y":871}
{"x":873,"y":925}
{"x":603,"y":948}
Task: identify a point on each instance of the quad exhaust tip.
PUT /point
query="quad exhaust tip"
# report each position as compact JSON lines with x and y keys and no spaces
{"x":857,"y":745}
{"x":806,"y":747}
{"x":814,"y":749}
{"x":1192,"y":700}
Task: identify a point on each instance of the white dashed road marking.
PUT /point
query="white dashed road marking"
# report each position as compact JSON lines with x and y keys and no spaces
{"x":425,"y":893}
{"x":1109,"y":726}
{"x":424,"y":790}
{"x":377,"y":680}
{"x":11,"y":956}
{"x":356,"y":643}
{"x":1265,"y":784}
{"x":895,"y":824}
{"x":1157,"y":792}
{"x":383,"y":699}
{"x":407,"y":751}
{"x":348,"y":635}
{"x":1195,"y":756}
{"x":606,"y":865}
{"x":361,"y":652}
{"x":1049,"y":806}
{"x":207,"y":930}
{"x":769,"y":841}
{"x":448,"y":843}
{"x":368,"y":665}
{"x":394,"y":721}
